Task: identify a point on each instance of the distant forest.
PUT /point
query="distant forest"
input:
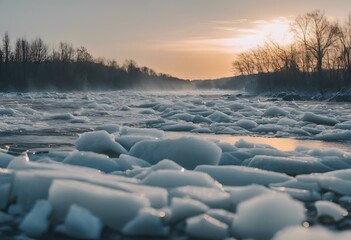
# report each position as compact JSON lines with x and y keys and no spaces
{"x":318,"y":60}
{"x":33,"y":66}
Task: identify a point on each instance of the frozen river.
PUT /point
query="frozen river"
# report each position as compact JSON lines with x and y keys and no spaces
{"x":53,"y":120}
{"x":211,"y":164}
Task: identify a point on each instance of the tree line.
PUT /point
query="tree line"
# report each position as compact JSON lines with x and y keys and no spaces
{"x":319,"y":59}
{"x":33,"y":65}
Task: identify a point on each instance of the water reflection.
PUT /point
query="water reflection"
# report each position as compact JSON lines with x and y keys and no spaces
{"x":282,"y":144}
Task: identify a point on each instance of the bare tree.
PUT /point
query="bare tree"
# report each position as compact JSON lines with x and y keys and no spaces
{"x":345,"y":40}
{"x":66,"y":52}
{"x":38,"y":50}
{"x":6,"y":48}
{"x":22,"y":50}
{"x":82,"y":55}
{"x":317,"y":34}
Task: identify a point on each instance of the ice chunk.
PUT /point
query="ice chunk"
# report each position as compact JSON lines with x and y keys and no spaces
{"x":268,"y":128}
{"x":158,"y":197}
{"x":241,"y":176}
{"x":294,"y":183}
{"x":147,"y":111}
{"x":129,"y":162}
{"x":176,"y":178}
{"x":330,"y":209}
{"x":222,"y":215}
{"x":6,"y":179}
{"x":5,"y":159}
{"x":100,"y":142}
{"x":315,"y":233}
{"x":227,"y":147}
{"x":241,"y":194}
{"x":311,"y":117}
{"x":206,"y":227}
{"x":182,"y":208}
{"x":110,"y":128}
{"x":244,"y":144}
{"x":218,"y":116}
{"x":36,"y":222}
{"x":201,"y":119}
{"x":281,"y":210}
{"x":275,"y":111}
{"x":58,"y":116}
{"x":7,"y":111}
{"x":114,"y":208}
{"x":246,"y":124}
{"x":142,"y":132}
{"x":287,"y":122}
{"x":189,"y":152}
{"x":229,"y":158}
{"x":211,"y":197}
{"x":179,"y":127}
{"x":335,"y":135}
{"x":146,"y":223}
{"x":162,"y":165}
{"x":326,"y":182}
{"x":183,"y":116}
{"x":344,"y":125}
{"x":344,"y":174}
{"x":80,"y":223}
{"x":6,"y":218}
{"x":128,"y":141}
{"x":289,"y":165}
{"x":91,"y":160}
{"x":299,"y":194}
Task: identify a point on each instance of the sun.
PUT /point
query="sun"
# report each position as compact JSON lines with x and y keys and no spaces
{"x":263,"y":31}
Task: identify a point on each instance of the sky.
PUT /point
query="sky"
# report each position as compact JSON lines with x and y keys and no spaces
{"x":189,"y":39}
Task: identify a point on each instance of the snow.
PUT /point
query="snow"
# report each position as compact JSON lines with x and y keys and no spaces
{"x":281,"y":210}
{"x":80,"y":223}
{"x":188,"y":152}
{"x":100,"y":142}
{"x":206,"y":227}
{"x":36,"y":222}
{"x":330,"y":209}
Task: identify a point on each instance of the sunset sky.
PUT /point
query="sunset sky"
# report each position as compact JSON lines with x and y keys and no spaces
{"x":190,"y":39}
